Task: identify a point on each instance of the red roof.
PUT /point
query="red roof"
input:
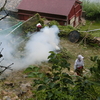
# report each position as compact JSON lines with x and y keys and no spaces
{"x":59,"y":7}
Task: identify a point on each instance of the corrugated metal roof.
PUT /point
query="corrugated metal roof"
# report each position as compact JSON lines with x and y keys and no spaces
{"x":59,"y":7}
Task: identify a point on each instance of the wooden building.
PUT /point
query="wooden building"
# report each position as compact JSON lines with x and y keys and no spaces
{"x":66,"y":12}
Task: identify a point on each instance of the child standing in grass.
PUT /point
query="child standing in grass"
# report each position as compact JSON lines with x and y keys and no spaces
{"x":79,"y":64}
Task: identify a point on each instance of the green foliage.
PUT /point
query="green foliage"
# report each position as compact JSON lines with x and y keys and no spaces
{"x":58,"y":62}
{"x":65,"y":30}
{"x":92,"y":9}
{"x":84,"y":90}
{"x":95,"y":74}
{"x":53,"y":22}
{"x":59,"y":85}
{"x":30,"y":26}
{"x":54,"y":86}
{"x":33,"y":71}
{"x":95,"y":70}
{"x":65,"y":54}
{"x":89,"y":36}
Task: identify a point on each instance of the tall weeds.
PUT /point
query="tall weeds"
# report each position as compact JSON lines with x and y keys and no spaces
{"x":92,"y":9}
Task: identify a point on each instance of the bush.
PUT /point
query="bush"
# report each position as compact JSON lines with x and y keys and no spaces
{"x":92,"y":9}
{"x":30,"y":26}
{"x":59,"y":85}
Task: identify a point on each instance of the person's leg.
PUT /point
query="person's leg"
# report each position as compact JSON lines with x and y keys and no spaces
{"x":78,"y":71}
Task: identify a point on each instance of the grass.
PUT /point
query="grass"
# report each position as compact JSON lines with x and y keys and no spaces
{"x":91,"y":25}
{"x":92,"y":12}
{"x":76,"y":48}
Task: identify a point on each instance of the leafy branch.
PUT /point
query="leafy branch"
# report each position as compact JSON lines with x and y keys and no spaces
{"x":59,"y":84}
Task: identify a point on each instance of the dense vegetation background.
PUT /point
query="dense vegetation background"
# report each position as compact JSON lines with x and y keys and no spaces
{"x":92,"y":9}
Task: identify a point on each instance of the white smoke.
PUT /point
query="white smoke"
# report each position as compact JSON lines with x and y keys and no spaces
{"x":36,"y":50}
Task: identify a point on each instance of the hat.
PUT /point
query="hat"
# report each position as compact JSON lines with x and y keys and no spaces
{"x":38,"y":24}
{"x":80,"y":56}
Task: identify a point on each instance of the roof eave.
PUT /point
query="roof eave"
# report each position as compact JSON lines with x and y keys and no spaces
{"x":44,"y":12}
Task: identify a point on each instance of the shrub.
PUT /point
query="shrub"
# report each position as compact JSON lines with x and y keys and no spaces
{"x":59,"y":85}
{"x":30,"y":26}
{"x":92,"y":9}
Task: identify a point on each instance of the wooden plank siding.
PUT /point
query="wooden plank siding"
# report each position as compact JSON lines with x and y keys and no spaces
{"x":75,"y":14}
{"x":24,"y":15}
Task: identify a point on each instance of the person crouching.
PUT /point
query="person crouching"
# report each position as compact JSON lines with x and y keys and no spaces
{"x":79,"y":64}
{"x":39,"y":26}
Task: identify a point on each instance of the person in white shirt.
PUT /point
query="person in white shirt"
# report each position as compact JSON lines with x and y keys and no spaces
{"x":79,"y":64}
{"x":39,"y":26}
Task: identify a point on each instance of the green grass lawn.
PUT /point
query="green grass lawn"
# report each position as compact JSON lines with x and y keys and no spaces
{"x":91,"y":25}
